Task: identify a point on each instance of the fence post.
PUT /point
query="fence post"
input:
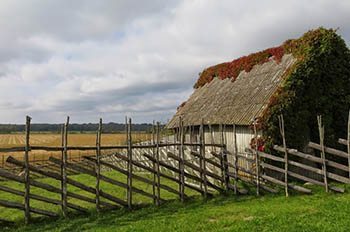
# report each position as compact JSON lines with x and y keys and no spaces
{"x":202,"y":159}
{"x":181,"y":162}
{"x":223,"y":159}
{"x":323,"y":154}
{"x":61,"y":168}
{"x":27,"y":173}
{"x":235,"y":157}
{"x":98,"y":165}
{"x":158,"y":169}
{"x":154,"y":163}
{"x":348,"y":138}
{"x":281,"y":126}
{"x":64,"y":168}
{"x":190,"y":137}
{"x":212,"y":139}
{"x":221,"y":155}
{"x":129,"y":190}
{"x":257,"y":163}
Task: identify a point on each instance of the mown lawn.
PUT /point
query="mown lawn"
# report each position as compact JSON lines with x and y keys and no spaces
{"x":317,"y":212}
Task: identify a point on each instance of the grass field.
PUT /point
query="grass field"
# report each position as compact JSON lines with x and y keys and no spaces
{"x":317,"y":212}
{"x":17,"y":215}
{"x":50,"y":139}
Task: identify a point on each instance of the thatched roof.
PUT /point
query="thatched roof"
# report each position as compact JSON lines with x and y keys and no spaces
{"x":234,"y":102}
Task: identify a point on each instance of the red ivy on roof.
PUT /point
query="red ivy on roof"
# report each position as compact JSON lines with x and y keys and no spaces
{"x":233,"y":68}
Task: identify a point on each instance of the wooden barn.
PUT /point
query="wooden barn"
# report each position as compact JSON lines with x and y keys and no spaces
{"x":300,"y":79}
{"x":233,"y":103}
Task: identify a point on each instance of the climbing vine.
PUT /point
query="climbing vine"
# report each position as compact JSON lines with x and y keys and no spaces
{"x":233,"y":68}
{"x":317,"y":84}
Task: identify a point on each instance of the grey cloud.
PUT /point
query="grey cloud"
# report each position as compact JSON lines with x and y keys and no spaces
{"x":91,"y":59}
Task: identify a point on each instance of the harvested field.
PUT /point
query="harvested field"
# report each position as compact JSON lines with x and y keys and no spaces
{"x":52,"y":139}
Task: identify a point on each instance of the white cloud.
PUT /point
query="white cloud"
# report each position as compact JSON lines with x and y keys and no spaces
{"x":93,"y":59}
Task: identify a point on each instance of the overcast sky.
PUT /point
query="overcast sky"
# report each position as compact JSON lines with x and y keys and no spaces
{"x":91,"y":59}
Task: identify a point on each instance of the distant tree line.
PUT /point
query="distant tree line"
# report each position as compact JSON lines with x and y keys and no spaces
{"x":78,"y":128}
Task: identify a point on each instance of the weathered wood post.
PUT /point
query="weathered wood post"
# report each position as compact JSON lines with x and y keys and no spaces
{"x":221,"y":155}
{"x":223,"y":159}
{"x":257,"y":163}
{"x":154,"y":163}
{"x":348,"y":143}
{"x":61,"y":168}
{"x":323,"y":154}
{"x":27,"y":173}
{"x":98,"y":165}
{"x":129,"y":180}
{"x":212,"y":139}
{"x":64,"y":169}
{"x":181,"y":162}
{"x":235,"y":157}
{"x":158,"y":165}
{"x":190,"y":134}
{"x":282,"y":132}
{"x":226,"y":159}
{"x":202,"y":160}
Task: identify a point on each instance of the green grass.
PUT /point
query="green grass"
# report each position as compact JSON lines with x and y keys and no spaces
{"x":317,"y":212}
{"x":17,"y":215}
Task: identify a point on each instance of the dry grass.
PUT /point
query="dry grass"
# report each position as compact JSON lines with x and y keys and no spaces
{"x":43,"y":139}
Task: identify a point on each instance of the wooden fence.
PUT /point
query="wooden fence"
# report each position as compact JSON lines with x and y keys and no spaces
{"x":189,"y":165}
{"x":204,"y":181}
{"x":323,"y":167}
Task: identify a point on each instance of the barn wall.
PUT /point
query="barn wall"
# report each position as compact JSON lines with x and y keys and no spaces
{"x":243,"y":133}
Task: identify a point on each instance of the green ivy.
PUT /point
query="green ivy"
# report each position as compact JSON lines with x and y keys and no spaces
{"x":317,"y":84}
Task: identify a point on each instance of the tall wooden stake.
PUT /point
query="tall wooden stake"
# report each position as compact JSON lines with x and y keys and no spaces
{"x":221,"y":155}
{"x":257,"y":163}
{"x":129,"y":190}
{"x":226,"y":168}
{"x":181,"y":162}
{"x":202,"y":160}
{"x":158,"y":165}
{"x":27,"y":173}
{"x":98,"y":165}
{"x":175,"y":140}
{"x":154,"y":164}
{"x":190,"y":134}
{"x":64,"y":168}
{"x":61,"y":168}
{"x":212,"y":139}
{"x":235,"y":157}
{"x":281,"y":126}
{"x":323,"y":154}
{"x":349,"y":143}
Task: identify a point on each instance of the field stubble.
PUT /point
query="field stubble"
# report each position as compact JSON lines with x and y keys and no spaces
{"x":51,"y":139}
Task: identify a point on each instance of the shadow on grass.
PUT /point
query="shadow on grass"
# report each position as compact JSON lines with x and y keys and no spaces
{"x":125,"y":218}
